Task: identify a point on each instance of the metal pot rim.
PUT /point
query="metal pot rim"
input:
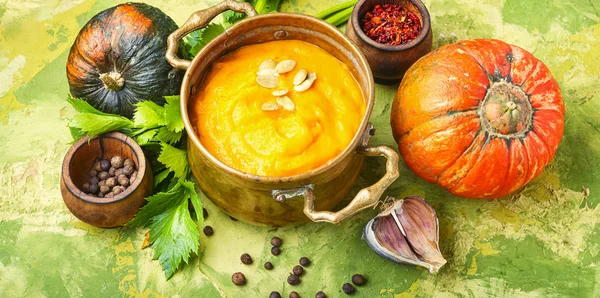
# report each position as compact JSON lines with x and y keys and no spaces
{"x":350,"y":149}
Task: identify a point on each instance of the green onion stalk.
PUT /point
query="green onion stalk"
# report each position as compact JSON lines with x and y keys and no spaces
{"x":337,"y":14}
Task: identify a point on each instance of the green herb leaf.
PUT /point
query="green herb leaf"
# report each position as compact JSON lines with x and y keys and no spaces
{"x":195,"y":199}
{"x":173,"y":235}
{"x":83,"y":106}
{"x":145,"y":137}
{"x":175,"y":160}
{"x":149,"y":114}
{"x":173,"y":114}
{"x":157,"y":204}
{"x":95,"y":124}
{"x":199,"y":38}
{"x":160,"y":176}
{"x":167,"y":136}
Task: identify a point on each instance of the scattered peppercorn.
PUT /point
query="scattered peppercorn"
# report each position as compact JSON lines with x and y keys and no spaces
{"x":268,"y":265}
{"x":208,"y":231}
{"x":238,"y":278}
{"x":304,"y":261}
{"x":246,"y":259}
{"x":294,"y":295}
{"x":276,"y":241}
{"x":298,"y":270}
{"x":320,"y":294}
{"x":275,"y":250}
{"x":274,"y":295}
{"x":358,"y":279}
{"x":348,"y":288}
{"x":293,"y":279}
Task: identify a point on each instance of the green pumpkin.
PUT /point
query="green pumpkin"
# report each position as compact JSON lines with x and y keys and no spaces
{"x":118,"y":59}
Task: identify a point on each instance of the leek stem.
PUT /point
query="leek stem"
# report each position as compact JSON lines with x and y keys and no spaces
{"x":340,"y":17}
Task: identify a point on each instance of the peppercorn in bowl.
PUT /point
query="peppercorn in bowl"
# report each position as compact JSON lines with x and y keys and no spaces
{"x":104,"y":179}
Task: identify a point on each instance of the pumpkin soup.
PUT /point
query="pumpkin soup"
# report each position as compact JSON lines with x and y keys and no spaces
{"x":277,"y":109}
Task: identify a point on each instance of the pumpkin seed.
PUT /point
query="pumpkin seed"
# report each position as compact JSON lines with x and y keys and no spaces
{"x":285,"y":66}
{"x":312,"y":76}
{"x":300,"y":76}
{"x":267,"y":81}
{"x":267,"y":72}
{"x":280,"y":92}
{"x":269,"y":106}
{"x":286,"y":103}
{"x":268,"y":64}
{"x":304,"y":85}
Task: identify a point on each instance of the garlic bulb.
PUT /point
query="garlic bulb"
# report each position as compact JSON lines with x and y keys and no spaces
{"x":407,"y":233}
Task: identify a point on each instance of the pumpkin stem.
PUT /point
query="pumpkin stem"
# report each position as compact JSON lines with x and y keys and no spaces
{"x":112,"y":81}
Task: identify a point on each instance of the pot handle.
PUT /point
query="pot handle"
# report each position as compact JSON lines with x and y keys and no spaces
{"x":365,"y":198}
{"x":199,"y":20}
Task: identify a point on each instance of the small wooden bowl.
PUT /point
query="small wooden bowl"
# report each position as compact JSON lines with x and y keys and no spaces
{"x":390,"y":62}
{"x":104,"y":212}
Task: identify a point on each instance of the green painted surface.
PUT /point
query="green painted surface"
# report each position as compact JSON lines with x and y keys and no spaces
{"x":541,"y":242}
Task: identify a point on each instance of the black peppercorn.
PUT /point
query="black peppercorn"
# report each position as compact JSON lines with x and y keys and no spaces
{"x":293,"y":279}
{"x":133,"y":177}
{"x":123,"y":180}
{"x":103,"y":175}
{"x":118,"y":172}
{"x":204,"y":213}
{"x":320,"y":294}
{"x":104,"y":165}
{"x":92,"y":173}
{"x":276,"y":241}
{"x":117,"y":189}
{"x":294,"y":295}
{"x":111,"y":171}
{"x":102,"y":183}
{"x":268,"y":265}
{"x":128,"y":162}
{"x":348,"y":288}
{"x":274,"y":295}
{"x":127,"y":170}
{"x":358,"y":279}
{"x":86,"y":187}
{"x":94,"y":180}
{"x":304,"y":261}
{"x":94,"y":188}
{"x":104,"y":189}
{"x":275,"y":250}
{"x":238,"y":279}
{"x":246,"y":259}
{"x":208,"y":231}
{"x":111,"y":182}
{"x":116,"y":162}
{"x":298,"y":270}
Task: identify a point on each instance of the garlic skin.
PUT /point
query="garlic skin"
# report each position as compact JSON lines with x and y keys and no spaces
{"x":407,"y":232}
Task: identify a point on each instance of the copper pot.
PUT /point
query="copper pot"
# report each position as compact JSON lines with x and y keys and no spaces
{"x":271,"y":200}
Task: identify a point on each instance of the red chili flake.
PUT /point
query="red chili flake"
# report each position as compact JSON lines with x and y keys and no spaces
{"x":391,"y":24}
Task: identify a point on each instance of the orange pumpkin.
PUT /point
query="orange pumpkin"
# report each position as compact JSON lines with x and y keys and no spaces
{"x":481,"y":118}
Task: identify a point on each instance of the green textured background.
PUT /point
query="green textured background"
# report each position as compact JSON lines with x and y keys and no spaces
{"x":541,"y":242}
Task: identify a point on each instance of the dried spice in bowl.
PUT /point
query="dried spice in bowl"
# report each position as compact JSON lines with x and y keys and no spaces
{"x":391,"y":24}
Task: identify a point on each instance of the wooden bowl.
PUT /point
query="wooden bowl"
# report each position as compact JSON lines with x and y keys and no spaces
{"x":104,"y":212}
{"x":390,"y":62}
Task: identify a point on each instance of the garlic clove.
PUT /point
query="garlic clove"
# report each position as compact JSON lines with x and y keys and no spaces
{"x":407,"y":233}
{"x":420,"y":224}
